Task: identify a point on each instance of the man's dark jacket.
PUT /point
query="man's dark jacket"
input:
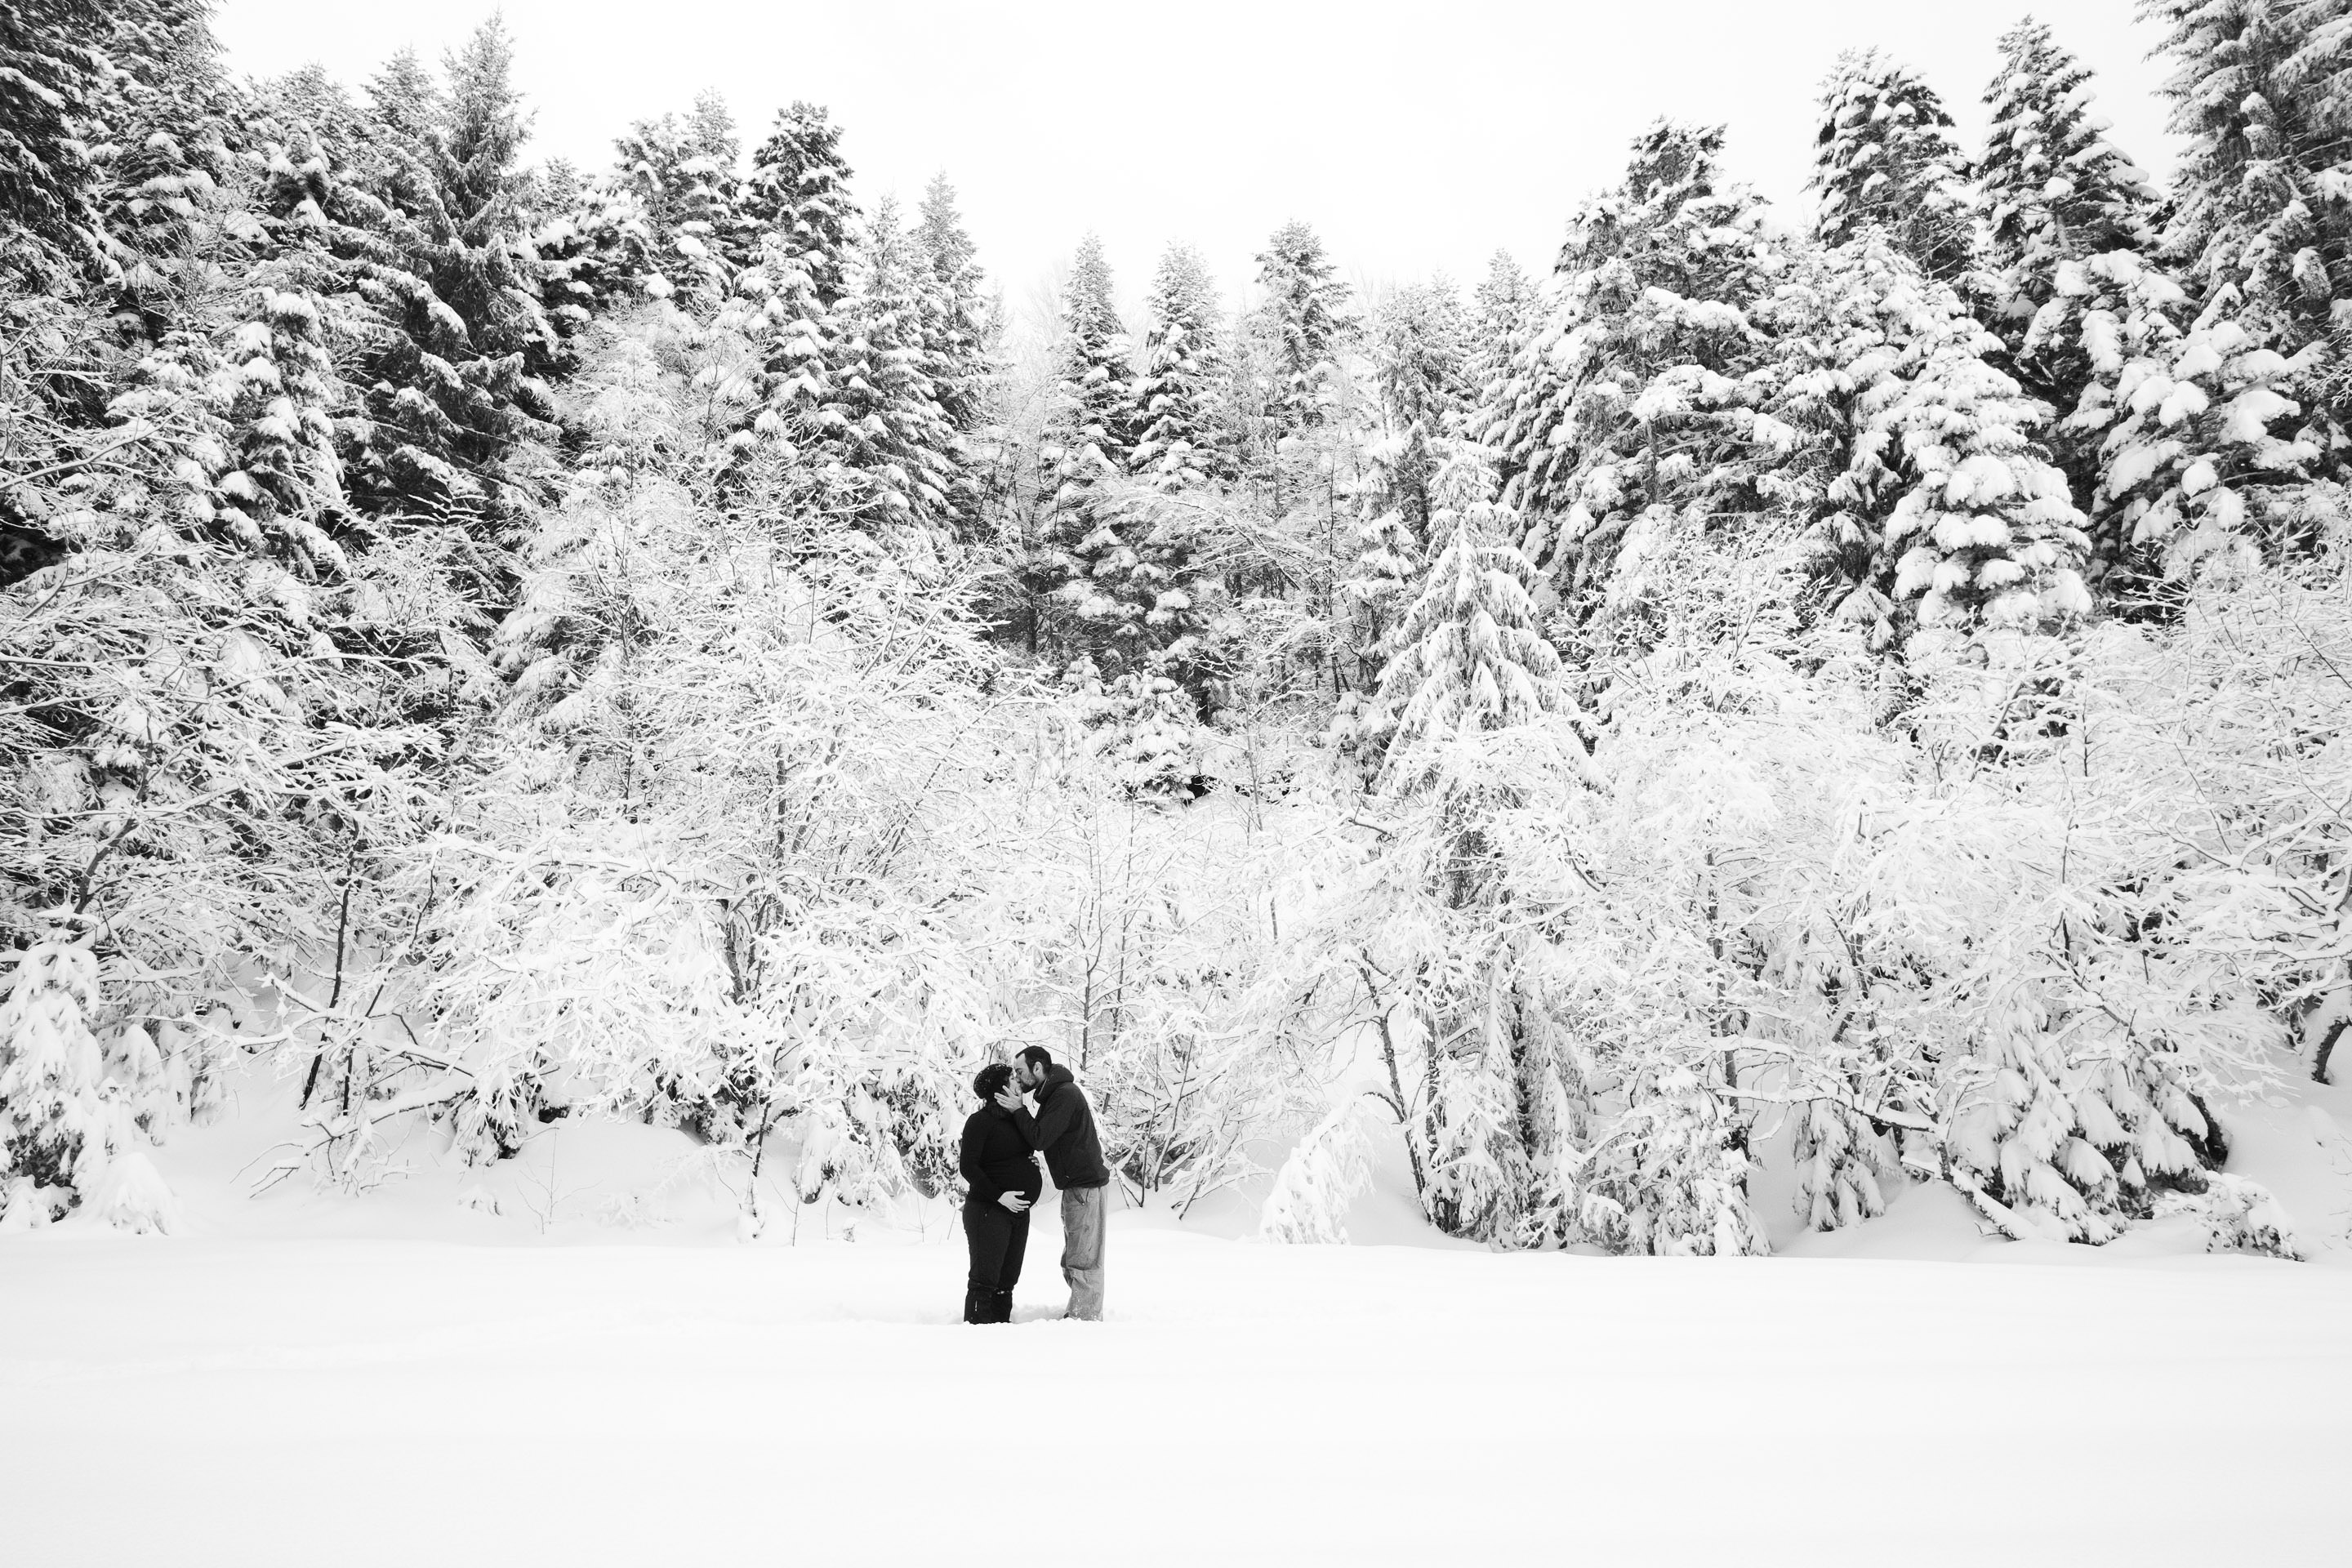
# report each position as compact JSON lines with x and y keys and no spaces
{"x":1064,"y":1128}
{"x":995,"y":1156}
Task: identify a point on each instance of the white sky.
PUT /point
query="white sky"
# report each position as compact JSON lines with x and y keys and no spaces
{"x":1415,"y":138}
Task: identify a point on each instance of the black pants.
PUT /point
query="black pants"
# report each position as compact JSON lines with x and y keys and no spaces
{"x":997,"y":1238}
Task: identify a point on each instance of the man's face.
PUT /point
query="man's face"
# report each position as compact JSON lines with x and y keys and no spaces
{"x":1027,"y":1074}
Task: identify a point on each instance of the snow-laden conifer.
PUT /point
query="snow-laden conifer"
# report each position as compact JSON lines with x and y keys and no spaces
{"x":1884,"y":158}
{"x":2260,"y":203}
{"x":1633,"y":388}
{"x":798,"y":190}
{"x":1095,"y":420}
{"x":1502,"y":310}
{"x":2197,"y":447}
{"x":1470,"y":656}
{"x":901,"y":457}
{"x":2052,"y":188}
{"x":683,"y":175}
{"x":957,"y":311}
{"x":1927,"y":484}
{"x":1303,"y":306}
{"x":1180,"y":442}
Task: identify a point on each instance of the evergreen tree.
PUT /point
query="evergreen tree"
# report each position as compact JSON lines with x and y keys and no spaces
{"x":455,"y":379}
{"x":1095,"y":423}
{"x":2054,"y":188}
{"x":1179,"y":442}
{"x":1885,"y":157}
{"x":1420,"y":358}
{"x":959,"y":341}
{"x":1393,"y":543}
{"x":53,"y":69}
{"x":2196,"y":448}
{"x":1922,"y":477}
{"x":172,"y":184}
{"x":1471,"y":670}
{"x":683,"y":175}
{"x":1470,"y":656}
{"x":2263,"y":206}
{"x":1303,"y":306}
{"x":883,"y":425}
{"x":1503,"y":312}
{"x":1634,"y":397}
{"x":799,"y":190}
{"x":955,"y":313}
{"x":1142,"y":595}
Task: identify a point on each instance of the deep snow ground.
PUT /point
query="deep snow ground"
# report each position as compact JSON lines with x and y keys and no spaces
{"x":258,"y":1402}
{"x":598,"y":1373}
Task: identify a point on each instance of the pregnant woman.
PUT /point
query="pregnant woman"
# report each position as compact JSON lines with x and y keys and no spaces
{"x":1002,"y":1179}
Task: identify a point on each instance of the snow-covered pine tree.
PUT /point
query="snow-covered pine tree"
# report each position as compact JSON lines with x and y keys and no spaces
{"x":1633,"y":395}
{"x":1095,"y":423}
{"x":1919,"y":470}
{"x":1670,"y":1178}
{"x":1502,"y":311}
{"x":683,"y":176}
{"x":2259,"y":203}
{"x":456,"y":376}
{"x":1303,"y":305}
{"x":1884,"y":158}
{"x":1391,"y":549}
{"x":1417,"y":352}
{"x":883,"y":428}
{"x":406,"y":102}
{"x":53,"y":71}
{"x":957,"y":338}
{"x":2196,"y":448}
{"x":173,"y":191}
{"x":1146,"y":599}
{"x":71,"y":1105}
{"x":1419,"y":357}
{"x":798,"y":189}
{"x":1470,"y":656}
{"x":1179,"y":441}
{"x":1471,"y":685}
{"x":1090,"y":430}
{"x":2052,"y":189}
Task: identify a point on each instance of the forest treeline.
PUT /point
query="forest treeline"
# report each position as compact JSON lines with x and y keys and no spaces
{"x":1821,"y":701}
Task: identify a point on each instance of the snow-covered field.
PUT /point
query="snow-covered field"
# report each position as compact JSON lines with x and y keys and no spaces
{"x":326,"y":1402}
{"x":396,"y":1380}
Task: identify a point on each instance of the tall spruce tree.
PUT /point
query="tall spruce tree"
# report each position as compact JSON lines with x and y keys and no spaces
{"x":2053,"y":187}
{"x":1885,"y":157}
{"x":1503,"y":310}
{"x":456,"y":378}
{"x":1303,"y":306}
{"x":798,"y":189}
{"x":1180,"y":441}
{"x":955,"y":310}
{"x":1632,"y":397}
{"x":1470,"y":656}
{"x":1095,"y":423}
{"x":53,"y":71}
{"x":883,"y":427}
{"x":682,"y":174}
{"x":958,"y":343}
{"x":2262,"y":192}
{"x":2054,"y":193}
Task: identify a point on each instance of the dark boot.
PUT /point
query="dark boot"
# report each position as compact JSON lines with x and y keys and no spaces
{"x":1003,"y":1303}
{"x":979,"y":1305}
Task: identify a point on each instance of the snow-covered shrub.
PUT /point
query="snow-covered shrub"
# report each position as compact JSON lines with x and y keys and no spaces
{"x":1329,"y":1170}
{"x":2237,"y":1215}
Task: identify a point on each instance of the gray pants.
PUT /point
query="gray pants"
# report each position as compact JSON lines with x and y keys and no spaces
{"x":1082,"y":1250}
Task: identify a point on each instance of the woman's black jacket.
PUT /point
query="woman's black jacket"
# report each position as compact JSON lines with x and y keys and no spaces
{"x":996,"y":1157}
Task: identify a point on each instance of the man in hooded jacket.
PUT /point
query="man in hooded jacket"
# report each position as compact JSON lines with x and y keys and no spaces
{"x":1063,"y":1130}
